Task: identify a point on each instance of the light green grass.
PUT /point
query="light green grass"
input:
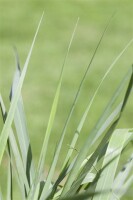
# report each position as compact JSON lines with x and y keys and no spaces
{"x":18,"y":21}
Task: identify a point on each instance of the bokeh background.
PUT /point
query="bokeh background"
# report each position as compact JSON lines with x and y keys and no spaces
{"x":18,"y":22}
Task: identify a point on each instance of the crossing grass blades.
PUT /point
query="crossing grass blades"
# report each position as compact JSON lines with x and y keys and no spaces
{"x":89,"y":175}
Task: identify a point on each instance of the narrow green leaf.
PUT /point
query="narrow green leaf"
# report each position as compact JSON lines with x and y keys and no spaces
{"x":19,"y":163}
{"x":83,"y":152}
{"x":21,"y":127}
{"x":104,"y":120}
{"x":82,"y":196}
{"x":54,"y":193}
{"x":13,"y":145}
{"x":36,"y":195}
{"x":56,"y":156}
{"x":76,"y":99}
{"x":9,"y":183}
{"x":6,"y":128}
{"x":82,"y":121}
{"x":10,"y":175}
{"x":113,"y":152}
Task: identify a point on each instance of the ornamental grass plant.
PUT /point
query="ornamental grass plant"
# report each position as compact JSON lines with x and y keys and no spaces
{"x":94,"y":172}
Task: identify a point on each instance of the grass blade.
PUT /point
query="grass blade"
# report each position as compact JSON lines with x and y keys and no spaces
{"x":82,"y":196}
{"x":82,"y":154}
{"x":6,"y":128}
{"x":81,"y":123}
{"x":75,"y":100}
{"x":15,"y":151}
{"x":21,"y":128}
{"x":9,"y":183}
{"x":113,"y":152}
{"x":77,"y":96}
{"x":10,"y":175}
{"x":104,"y":122}
{"x":53,"y":110}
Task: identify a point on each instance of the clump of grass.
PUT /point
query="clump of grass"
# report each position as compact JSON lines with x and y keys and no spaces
{"x":90,"y":174}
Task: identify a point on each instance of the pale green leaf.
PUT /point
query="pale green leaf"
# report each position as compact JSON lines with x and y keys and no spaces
{"x":6,"y":128}
{"x":112,"y":156}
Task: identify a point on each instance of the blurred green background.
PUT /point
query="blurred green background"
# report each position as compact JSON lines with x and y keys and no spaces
{"x":18,"y":22}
